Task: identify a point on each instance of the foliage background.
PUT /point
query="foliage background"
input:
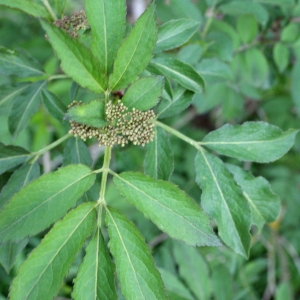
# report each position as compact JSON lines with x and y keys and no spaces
{"x":250,"y":59}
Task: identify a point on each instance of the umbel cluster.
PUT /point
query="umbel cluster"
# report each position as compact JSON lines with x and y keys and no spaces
{"x":123,"y":126}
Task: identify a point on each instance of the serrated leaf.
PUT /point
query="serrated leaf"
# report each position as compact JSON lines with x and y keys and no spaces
{"x":24,"y":107}
{"x":50,"y":261}
{"x":107,"y":20}
{"x":8,"y":93}
{"x":181,"y":72}
{"x":76,"y":152}
{"x":165,"y":205}
{"x":251,"y":141}
{"x":193,"y":270}
{"x":223,"y":200}
{"x":95,"y":279}
{"x":76,"y":60}
{"x":18,"y":64}
{"x":174,"y":287}
{"x":144,"y":93}
{"x":28,"y":6}
{"x":136,"y":51}
{"x":54,"y":105}
{"x":175,"y":33}
{"x":91,"y":114}
{"x":180,"y":101}
{"x":214,"y":70}
{"x":18,"y":180}
{"x":11,"y":156}
{"x":9,"y":253}
{"x":135,"y":266}
{"x":264,"y":204}
{"x":43,"y":201}
{"x":159,"y":160}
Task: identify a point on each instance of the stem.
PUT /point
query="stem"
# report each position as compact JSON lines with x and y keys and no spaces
{"x":179,"y":135}
{"x":208,"y":22}
{"x":46,"y":3}
{"x":105,"y":170}
{"x":51,"y":146}
{"x":61,"y":76}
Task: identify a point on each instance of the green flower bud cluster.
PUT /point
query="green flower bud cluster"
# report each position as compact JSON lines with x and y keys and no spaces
{"x":73,"y":24}
{"x":123,"y":126}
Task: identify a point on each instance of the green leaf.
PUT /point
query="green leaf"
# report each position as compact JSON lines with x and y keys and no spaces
{"x":165,"y":205}
{"x":181,"y":72}
{"x":222,"y":283}
{"x":213,"y":70}
{"x":144,"y":93}
{"x":9,"y":253}
{"x":54,"y":105}
{"x":76,"y":60}
{"x":159,"y":160}
{"x":237,"y":8}
{"x":11,"y":156}
{"x":136,"y":51}
{"x":51,"y":260}
{"x":76,"y":152}
{"x":193,"y":270}
{"x":28,"y":6}
{"x":190,"y":54}
{"x":8,"y":93}
{"x":175,"y":33}
{"x":281,"y":55}
{"x":91,"y":114}
{"x":174,"y":287}
{"x":18,"y":64}
{"x":180,"y":101}
{"x":43,"y":201}
{"x":185,"y":9}
{"x":24,"y":107}
{"x":247,"y":28}
{"x":95,"y":279}
{"x":135,"y":266}
{"x":264,"y":204}
{"x":107,"y":20}
{"x":60,"y":6}
{"x":290,"y":33}
{"x":251,"y":141}
{"x":18,"y":180}
{"x":223,"y":200}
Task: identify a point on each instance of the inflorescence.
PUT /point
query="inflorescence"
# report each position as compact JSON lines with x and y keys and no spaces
{"x":78,"y":21}
{"x":123,"y":126}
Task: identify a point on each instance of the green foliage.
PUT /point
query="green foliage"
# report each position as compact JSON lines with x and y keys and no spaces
{"x":224,"y":79}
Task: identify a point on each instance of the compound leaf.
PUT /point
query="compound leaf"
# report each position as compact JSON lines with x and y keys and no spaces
{"x":95,"y":279}
{"x":223,"y":200}
{"x":135,"y":266}
{"x":18,"y":64}
{"x":264,"y":204}
{"x":144,"y":93}
{"x":159,"y":160}
{"x":76,"y":60}
{"x":11,"y":156}
{"x":24,"y":107}
{"x":107,"y":20}
{"x":50,"y":261}
{"x":76,"y":152}
{"x":91,"y":114}
{"x":18,"y":180}
{"x":54,"y":105}
{"x":43,"y":201}
{"x":28,"y":6}
{"x":171,"y":209}
{"x":175,"y":33}
{"x":179,"y":71}
{"x":251,"y":141}
{"x":136,"y":51}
